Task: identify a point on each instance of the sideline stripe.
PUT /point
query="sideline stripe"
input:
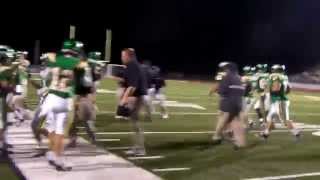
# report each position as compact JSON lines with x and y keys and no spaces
{"x":171,"y":169}
{"x":190,"y":132}
{"x":107,"y":140}
{"x":119,"y":148}
{"x":208,"y":113}
{"x":287,"y":176}
{"x":145,"y":157}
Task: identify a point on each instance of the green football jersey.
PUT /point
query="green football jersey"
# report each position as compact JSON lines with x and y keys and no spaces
{"x":278,"y":84}
{"x":64,"y":62}
{"x":249,"y":82}
{"x":262,"y":82}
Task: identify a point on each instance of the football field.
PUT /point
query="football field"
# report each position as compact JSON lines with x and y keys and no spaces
{"x":179,"y":148}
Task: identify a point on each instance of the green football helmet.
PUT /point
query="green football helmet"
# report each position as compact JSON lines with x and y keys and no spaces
{"x":246,"y":70}
{"x":72,"y":46}
{"x":276,"y":68}
{"x":4,"y":48}
{"x":253,"y":70}
{"x":262,"y":68}
{"x":96,"y":55}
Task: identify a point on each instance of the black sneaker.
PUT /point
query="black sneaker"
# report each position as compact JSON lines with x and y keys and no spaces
{"x":72,"y":144}
{"x":60,"y":167}
{"x":216,"y":141}
{"x":6,"y":146}
{"x":63,"y":167}
{"x":298,"y":137}
{"x":52,"y":163}
{"x":264,"y":136}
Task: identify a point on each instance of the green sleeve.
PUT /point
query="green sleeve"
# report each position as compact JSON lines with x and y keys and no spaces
{"x":66,"y":63}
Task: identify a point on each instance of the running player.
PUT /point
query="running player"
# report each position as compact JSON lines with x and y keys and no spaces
{"x":58,"y":103}
{"x":6,"y":86}
{"x":248,"y":82}
{"x":279,"y":89}
{"x":263,"y":100}
{"x":16,"y":100}
{"x":85,"y":111}
{"x":156,"y":92}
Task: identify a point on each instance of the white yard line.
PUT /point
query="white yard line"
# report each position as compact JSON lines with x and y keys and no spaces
{"x":286,"y":177}
{"x":314,"y":98}
{"x":171,"y":169}
{"x":145,"y":157}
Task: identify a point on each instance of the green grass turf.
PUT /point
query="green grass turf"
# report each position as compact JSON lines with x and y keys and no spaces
{"x":6,"y":172}
{"x":279,"y":156}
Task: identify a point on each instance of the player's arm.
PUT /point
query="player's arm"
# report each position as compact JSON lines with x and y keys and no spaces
{"x":213,"y":88}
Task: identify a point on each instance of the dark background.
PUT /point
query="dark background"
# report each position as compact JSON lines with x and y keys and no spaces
{"x":189,"y":36}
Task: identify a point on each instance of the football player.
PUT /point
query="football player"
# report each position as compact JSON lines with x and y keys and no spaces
{"x":156,"y":92}
{"x":279,"y":89}
{"x":6,"y":86}
{"x":16,"y":100}
{"x":85,"y":82}
{"x":59,"y":102}
{"x":248,"y":81}
{"x":263,"y":100}
{"x":217,"y":78}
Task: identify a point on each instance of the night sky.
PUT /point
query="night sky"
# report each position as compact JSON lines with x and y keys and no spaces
{"x":189,"y":36}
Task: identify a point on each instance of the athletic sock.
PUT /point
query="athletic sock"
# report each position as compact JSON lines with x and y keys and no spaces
{"x":51,"y":156}
{"x":295,"y":131}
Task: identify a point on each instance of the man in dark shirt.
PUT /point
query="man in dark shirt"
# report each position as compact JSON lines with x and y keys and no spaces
{"x":231,"y":94}
{"x":136,"y":87}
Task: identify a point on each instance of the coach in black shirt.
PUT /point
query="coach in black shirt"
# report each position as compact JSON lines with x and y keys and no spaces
{"x":231,"y":94}
{"x":135,"y":90}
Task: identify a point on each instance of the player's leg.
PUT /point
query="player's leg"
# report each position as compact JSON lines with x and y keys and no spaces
{"x":50,"y":127}
{"x":58,"y":145}
{"x":274,"y":110}
{"x":35,"y":125}
{"x":19,"y":108}
{"x":258,"y":109}
{"x":267,"y":104}
{"x":239,"y":134}
{"x":223,"y":119}
{"x":162,"y":98}
{"x":73,"y":130}
{"x":248,"y":103}
{"x":151,"y":94}
{"x":289,"y":123}
{"x":147,"y":106}
{"x":86,"y":113}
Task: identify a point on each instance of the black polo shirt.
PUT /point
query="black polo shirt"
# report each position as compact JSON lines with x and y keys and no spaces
{"x":134,"y":77}
{"x":231,"y":93}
